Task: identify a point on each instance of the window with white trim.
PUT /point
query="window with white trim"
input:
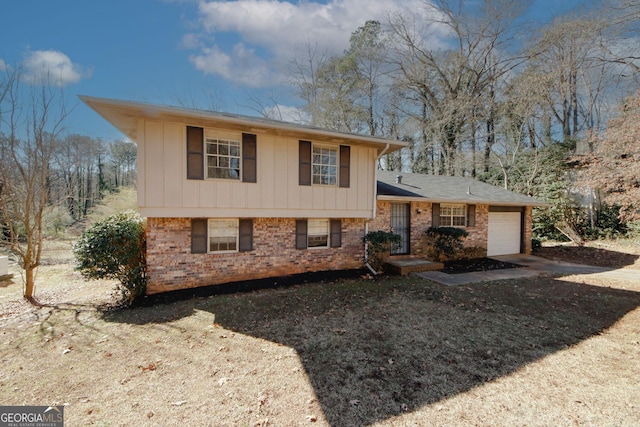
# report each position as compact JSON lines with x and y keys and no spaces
{"x":453,"y":215}
{"x":223,"y":158}
{"x":318,"y":233}
{"x":324,"y":165}
{"x":223,"y":235}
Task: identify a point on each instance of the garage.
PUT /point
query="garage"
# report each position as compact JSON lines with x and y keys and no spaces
{"x":504,"y":233}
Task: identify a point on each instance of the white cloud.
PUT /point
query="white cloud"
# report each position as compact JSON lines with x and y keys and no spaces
{"x":270,"y":31}
{"x":241,"y":65}
{"x":52,"y":66}
{"x":3,"y":65}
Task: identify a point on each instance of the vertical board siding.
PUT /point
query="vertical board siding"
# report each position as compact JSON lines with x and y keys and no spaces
{"x":163,"y":179}
{"x":173,"y":169}
{"x":154,"y":159}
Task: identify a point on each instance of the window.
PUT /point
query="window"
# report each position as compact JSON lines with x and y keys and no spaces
{"x":223,"y":158}
{"x":325,"y":165}
{"x":318,"y":233}
{"x":453,"y":215}
{"x":223,"y":235}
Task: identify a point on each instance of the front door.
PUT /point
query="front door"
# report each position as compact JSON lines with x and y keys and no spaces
{"x":400,"y":220}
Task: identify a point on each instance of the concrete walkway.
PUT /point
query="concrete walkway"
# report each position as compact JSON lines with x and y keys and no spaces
{"x":532,"y":266}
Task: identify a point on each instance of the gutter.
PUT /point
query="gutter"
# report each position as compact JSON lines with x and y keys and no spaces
{"x":375,"y":209}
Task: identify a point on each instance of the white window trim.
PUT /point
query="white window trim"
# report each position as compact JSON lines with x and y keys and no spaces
{"x":336,"y":166}
{"x":214,"y":139}
{"x":237,"y":235}
{"x":452,"y":206}
{"x":328,"y":233}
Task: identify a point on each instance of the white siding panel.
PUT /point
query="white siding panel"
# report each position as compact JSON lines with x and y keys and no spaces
{"x":207,"y":193}
{"x":267,"y":173}
{"x":293,"y":188}
{"x":140,"y":161}
{"x":174,"y":163}
{"x":283,"y":174}
{"x":224,"y":194}
{"x":154,"y":160}
{"x":191,"y":193}
{"x":165,"y":191}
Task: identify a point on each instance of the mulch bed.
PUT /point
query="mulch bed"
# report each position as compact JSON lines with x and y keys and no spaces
{"x":476,"y":264}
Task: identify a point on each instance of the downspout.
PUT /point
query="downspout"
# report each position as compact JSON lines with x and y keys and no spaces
{"x":375,"y":208}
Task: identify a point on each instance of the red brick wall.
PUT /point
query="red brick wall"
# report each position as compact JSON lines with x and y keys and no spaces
{"x":421,"y":221}
{"x":172,"y":266}
{"x":528,"y":229}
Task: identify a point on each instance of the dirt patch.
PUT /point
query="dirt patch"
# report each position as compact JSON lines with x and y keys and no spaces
{"x":476,"y":264}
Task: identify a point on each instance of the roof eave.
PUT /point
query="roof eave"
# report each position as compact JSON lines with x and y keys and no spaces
{"x":123,"y":114}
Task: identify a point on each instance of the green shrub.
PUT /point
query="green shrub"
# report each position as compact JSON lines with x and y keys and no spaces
{"x":114,"y":248}
{"x":379,"y":246}
{"x":444,"y":243}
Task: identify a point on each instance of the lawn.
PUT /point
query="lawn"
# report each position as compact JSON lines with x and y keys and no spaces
{"x":388,"y":351}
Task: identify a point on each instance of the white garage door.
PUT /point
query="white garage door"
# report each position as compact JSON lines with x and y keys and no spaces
{"x":504,"y":233}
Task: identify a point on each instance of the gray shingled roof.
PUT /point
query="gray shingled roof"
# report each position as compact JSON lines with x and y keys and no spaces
{"x":449,"y":189}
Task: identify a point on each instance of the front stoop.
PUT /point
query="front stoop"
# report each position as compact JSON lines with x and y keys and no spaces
{"x":406,"y":265}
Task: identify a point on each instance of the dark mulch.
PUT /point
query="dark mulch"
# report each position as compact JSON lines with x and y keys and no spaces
{"x":476,"y":264}
{"x":251,"y":285}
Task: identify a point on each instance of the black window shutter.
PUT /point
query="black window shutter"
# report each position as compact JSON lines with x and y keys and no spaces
{"x":301,"y":234}
{"x":435,"y":215}
{"x":304,"y":167}
{"x":195,"y":153}
{"x":336,"y":233}
{"x":199,"y":236}
{"x":471,"y":216}
{"x":246,"y":235}
{"x":249,"y":158}
{"x":345,"y":166}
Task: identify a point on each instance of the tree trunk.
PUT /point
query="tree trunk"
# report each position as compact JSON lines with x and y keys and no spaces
{"x":29,"y":283}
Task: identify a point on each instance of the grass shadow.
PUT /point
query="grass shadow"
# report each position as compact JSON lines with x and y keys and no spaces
{"x":588,"y":255}
{"x":375,"y":349}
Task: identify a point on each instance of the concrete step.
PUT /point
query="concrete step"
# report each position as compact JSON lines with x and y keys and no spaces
{"x":406,"y":265}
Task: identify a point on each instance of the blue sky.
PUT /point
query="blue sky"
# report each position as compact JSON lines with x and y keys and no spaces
{"x":209,"y":54}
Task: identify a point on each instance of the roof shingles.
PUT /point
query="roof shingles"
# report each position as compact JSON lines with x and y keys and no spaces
{"x":455,"y":189}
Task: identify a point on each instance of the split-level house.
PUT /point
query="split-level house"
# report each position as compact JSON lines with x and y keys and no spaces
{"x":233,"y":198}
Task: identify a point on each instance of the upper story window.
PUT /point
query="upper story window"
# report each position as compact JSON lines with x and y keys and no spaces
{"x":219,"y":154}
{"x":325,"y":165}
{"x":223,"y":158}
{"x":453,"y":215}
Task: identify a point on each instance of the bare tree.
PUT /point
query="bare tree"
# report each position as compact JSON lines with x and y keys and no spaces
{"x":304,"y":76}
{"x":31,"y":122}
{"x":453,"y":64}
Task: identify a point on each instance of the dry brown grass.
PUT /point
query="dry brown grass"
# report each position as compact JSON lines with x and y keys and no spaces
{"x":396,"y":351}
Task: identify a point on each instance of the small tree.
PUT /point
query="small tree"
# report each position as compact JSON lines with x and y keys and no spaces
{"x":443,"y":243}
{"x":114,"y":248}
{"x":31,"y":120}
{"x":379,"y":246}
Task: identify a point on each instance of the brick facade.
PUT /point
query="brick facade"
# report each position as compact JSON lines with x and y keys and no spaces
{"x":421,"y":220}
{"x":528,"y":229}
{"x":172,"y":266}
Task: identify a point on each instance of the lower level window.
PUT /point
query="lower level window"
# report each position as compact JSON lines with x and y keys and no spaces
{"x":318,"y":233}
{"x":453,"y":215}
{"x":223,"y":235}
